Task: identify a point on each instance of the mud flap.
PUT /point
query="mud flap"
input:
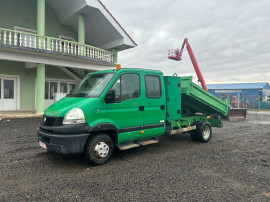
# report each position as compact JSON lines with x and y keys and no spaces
{"x":237,"y":114}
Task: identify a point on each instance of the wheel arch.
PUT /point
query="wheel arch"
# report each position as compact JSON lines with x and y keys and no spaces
{"x":107,"y":128}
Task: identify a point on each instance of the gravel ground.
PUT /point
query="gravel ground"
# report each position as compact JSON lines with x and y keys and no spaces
{"x":233,"y":166}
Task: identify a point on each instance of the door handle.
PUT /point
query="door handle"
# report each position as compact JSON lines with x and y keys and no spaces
{"x":141,"y":108}
{"x":162,"y":107}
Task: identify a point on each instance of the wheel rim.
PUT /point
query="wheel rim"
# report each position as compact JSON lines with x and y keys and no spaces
{"x":206,"y":132}
{"x":101,"y":150}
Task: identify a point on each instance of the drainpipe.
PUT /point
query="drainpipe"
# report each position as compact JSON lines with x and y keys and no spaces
{"x":114,"y":51}
{"x":40,"y":67}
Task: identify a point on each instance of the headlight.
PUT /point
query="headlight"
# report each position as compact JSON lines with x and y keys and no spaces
{"x":74,"y":116}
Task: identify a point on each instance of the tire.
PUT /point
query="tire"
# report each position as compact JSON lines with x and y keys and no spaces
{"x":204,"y":132}
{"x":193,"y":135}
{"x":99,"y":149}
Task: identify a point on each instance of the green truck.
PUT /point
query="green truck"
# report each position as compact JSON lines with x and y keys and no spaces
{"x":127,"y":108}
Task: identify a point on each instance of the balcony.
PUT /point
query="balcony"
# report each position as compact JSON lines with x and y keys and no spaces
{"x":59,"y":48}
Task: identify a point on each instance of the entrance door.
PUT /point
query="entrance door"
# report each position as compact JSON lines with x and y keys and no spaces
{"x":50,"y":90}
{"x":7,"y":94}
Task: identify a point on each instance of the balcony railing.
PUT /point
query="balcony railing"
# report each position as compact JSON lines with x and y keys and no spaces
{"x":55,"y":45}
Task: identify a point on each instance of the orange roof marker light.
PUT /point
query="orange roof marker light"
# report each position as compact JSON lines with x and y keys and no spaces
{"x":118,"y":66}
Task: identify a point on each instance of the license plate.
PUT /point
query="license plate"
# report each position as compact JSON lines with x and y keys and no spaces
{"x":42,"y":145}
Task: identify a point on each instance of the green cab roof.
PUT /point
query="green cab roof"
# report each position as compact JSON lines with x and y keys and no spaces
{"x":127,"y":70}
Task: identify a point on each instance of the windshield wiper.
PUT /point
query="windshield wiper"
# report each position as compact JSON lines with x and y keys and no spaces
{"x":70,"y":95}
{"x":81,"y":95}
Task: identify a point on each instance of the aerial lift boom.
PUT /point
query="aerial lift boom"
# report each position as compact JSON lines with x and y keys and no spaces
{"x":234,"y":114}
{"x":177,"y":55}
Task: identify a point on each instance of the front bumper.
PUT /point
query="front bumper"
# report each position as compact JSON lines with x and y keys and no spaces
{"x":72,"y":143}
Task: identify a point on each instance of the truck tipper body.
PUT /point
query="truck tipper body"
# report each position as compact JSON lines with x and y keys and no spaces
{"x":127,"y":108}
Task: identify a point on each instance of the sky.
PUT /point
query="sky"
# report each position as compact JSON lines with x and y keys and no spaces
{"x":230,"y":38}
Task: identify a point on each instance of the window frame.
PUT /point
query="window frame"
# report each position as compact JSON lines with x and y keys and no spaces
{"x":140,"y":94}
{"x":59,"y":81}
{"x":13,"y":90}
{"x":160,"y":86}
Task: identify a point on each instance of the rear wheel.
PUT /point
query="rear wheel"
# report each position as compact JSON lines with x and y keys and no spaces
{"x":193,"y":135}
{"x":204,"y":132}
{"x":99,"y":149}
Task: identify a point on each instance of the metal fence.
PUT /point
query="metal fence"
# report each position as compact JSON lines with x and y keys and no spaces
{"x":248,"y":101}
{"x":264,"y":105}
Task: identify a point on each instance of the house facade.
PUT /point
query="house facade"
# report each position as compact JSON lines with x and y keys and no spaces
{"x":48,"y":46}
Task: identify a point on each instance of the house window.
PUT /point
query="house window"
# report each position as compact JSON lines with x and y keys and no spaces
{"x":66,"y":38}
{"x":71,"y":87}
{"x":53,"y":87}
{"x":68,"y":47}
{"x":9,"y":89}
{"x":63,"y":87}
{"x":50,"y":89}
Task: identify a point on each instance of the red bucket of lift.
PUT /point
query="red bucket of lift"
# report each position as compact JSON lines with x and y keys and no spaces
{"x":174,"y":54}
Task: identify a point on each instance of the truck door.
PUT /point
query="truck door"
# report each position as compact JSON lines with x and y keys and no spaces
{"x":125,"y":112}
{"x":154,"y":105}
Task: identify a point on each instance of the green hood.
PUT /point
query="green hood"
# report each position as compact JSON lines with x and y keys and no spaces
{"x":61,"y":107}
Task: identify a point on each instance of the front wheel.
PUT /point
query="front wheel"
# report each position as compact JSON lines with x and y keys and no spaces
{"x":99,"y":149}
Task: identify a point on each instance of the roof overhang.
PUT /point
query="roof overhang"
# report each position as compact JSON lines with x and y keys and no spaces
{"x":102,"y":29}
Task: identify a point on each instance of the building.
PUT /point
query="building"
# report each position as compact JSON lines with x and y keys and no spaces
{"x":249,"y":93}
{"x":48,"y":46}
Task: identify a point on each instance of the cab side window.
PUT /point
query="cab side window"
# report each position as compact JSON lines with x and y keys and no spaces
{"x":153,"y":86}
{"x":127,"y":87}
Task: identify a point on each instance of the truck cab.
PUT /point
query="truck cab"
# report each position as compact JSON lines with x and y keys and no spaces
{"x":127,"y":108}
{"x":107,"y":109}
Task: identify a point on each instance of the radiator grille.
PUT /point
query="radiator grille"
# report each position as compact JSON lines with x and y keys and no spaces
{"x":52,"y":121}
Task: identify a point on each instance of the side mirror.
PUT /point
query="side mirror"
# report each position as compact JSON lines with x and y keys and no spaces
{"x":110,"y":96}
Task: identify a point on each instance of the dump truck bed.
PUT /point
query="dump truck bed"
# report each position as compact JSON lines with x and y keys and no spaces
{"x":195,"y":99}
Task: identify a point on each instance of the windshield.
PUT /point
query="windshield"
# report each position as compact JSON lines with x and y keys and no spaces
{"x":92,"y":85}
